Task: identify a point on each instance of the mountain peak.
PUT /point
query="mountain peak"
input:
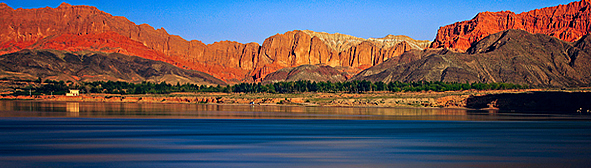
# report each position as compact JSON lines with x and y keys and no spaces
{"x":5,"y":6}
{"x":64,"y":5}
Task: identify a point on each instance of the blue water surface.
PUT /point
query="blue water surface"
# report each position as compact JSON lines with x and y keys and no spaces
{"x":105,"y":142}
{"x":72,"y":134}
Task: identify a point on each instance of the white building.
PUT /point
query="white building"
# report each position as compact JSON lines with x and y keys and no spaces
{"x":73,"y":93}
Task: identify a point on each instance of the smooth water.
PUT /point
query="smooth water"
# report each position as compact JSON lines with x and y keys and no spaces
{"x":66,"y":134}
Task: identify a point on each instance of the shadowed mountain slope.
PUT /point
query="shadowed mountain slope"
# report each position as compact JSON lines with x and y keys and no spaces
{"x":307,"y":72}
{"x":61,"y":65}
{"x":511,"y":56}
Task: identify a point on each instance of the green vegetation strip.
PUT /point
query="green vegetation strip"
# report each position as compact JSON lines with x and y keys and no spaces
{"x":60,"y":87}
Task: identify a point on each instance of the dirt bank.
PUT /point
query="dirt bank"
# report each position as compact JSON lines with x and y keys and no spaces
{"x":498,"y":99}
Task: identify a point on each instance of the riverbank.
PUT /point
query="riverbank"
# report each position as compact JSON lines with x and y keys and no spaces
{"x":494,"y":99}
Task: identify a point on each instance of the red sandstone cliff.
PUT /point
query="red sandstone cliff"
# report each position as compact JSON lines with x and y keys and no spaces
{"x":567,"y":22}
{"x":79,"y":28}
{"x":301,"y":47}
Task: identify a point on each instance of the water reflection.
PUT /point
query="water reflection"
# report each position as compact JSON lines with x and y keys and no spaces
{"x":9,"y":108}
{"x":73,"y":109}
{"x":94,"y":134}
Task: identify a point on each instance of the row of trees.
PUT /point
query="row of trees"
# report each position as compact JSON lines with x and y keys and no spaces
{"x":145,"y":87}
{"x":367,"y":86}
{"x":60,"y":87}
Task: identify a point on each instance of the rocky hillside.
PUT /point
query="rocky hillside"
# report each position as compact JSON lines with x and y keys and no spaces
{"x":567,"y":22}
{"x":84,"y":66}
{"x":307,"y":72}
{"x":341,"y":42}
{"x":297,"y":47}
{"x":85,"y":28}
{"x":511,"y":56}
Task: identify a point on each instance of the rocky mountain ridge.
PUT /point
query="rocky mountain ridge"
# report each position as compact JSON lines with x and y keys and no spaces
{"x":306,"y":73}
{"x":78,"y":28}
{"x":511,"y":56}
{"x":94,"y":66}
{"x":567,"y":22}
{"x":545,"y":61}
{"x":341,"y":42}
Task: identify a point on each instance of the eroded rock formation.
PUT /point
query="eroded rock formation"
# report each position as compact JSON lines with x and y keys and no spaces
{"x":80,"y":28}
{"x":301,"y":47}
{"x":511,"y":56}
{"x":567,"y":22}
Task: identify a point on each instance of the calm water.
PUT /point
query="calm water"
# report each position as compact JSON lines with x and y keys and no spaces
{"x":66,"y":134}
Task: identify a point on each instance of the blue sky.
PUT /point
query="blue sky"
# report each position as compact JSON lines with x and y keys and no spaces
{"x":253,"y":21}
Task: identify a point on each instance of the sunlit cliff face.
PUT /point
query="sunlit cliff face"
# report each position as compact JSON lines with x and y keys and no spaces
{"x":80,"y":28}
{"x":567,"y":22}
